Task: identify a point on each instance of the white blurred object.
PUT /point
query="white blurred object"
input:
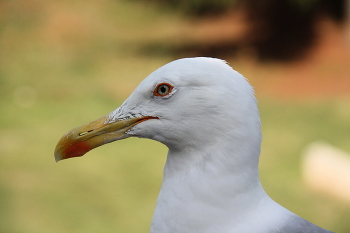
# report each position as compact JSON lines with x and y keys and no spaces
{"x":326,"y":169}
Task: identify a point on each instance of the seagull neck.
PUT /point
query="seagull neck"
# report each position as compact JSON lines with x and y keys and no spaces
{"x":218,"y":186}
{"x":233,"y":171}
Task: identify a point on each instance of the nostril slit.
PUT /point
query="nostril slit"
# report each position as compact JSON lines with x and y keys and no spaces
{"x":86,"y":132}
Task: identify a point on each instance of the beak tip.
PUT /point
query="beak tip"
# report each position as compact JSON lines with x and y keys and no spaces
{"x":75,"y":150}
{"x":57,"y":159}
{"x":58,"y":156}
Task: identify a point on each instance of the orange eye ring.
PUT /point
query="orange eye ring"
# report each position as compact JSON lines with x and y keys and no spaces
{"x":163,"y":89}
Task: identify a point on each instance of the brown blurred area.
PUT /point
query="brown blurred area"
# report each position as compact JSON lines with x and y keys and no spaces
{"x":308,"y":41}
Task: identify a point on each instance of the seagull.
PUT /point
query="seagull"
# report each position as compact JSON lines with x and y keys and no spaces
{"x":206,"y":114}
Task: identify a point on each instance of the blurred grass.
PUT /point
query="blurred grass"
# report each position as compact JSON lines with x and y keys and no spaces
{"x":65,"y":63}
{"x":287,"y":130}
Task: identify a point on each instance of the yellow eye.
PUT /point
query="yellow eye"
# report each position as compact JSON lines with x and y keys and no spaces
{"x":163,"y":89}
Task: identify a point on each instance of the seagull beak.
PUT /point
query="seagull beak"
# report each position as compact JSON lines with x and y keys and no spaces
{"x":80,"y":140}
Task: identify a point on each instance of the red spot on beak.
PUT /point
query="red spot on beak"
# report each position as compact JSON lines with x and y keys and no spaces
{"x":77,"y":150}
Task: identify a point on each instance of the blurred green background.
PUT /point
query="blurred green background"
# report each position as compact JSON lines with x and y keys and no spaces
{"x":65,"y":63}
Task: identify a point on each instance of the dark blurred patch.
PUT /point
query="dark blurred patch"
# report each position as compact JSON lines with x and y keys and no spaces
{"x":197,"y":8}
{"x":285,"y":30}
{"x":279,"y":30}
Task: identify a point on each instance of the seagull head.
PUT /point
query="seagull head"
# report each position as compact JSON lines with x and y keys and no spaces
{"x":206,"y":114}
{"x":189,"y":103}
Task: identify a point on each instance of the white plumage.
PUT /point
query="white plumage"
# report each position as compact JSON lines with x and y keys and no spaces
{"x":210,"y":122}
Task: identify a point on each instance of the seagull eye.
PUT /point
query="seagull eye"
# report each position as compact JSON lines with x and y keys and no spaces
{"x":162,"y":89}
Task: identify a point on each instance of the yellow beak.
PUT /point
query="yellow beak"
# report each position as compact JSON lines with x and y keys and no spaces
{"x":80,"y":140}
